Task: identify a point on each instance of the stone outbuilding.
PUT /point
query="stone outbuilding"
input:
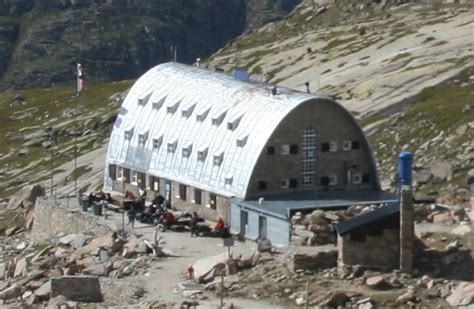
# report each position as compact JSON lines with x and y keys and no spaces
{"x":220,"y":144}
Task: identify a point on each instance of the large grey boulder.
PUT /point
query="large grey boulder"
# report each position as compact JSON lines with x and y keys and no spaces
{"x":441,"y":171}
{"x":463,"y":295}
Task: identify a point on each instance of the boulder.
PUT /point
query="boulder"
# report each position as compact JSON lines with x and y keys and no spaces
{"x":422,"y":177}
{"x":377,"y":282}
{"x":317,"y":217}
{"x":406,"y":297}
{"x":102,"y":269}
{"x":441,"y":171}
{"x":77,"y":288}
{"x":74,"y":240}
{"x":44,"y":292}
{"x":134,"y":247}
{"x":205,"y":265}
{"x":444,"y":217}
{"x":12,"y":292}
{"x":21,"y":268}
{"x":108,"y":240}
{"x":463,"y":295}
{"x":461,"y":230}
{"x":3,"y":270}
{"x":336,"y":299}
{"x":303,"y":233}
{"x":26,"y":197}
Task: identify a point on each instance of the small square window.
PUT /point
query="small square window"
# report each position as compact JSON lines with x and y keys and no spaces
{"x":324,"y":147}
{"x":346,"y":145}
{"x":197,"y":197}
{"x":228,"y":180}
{"x":285,"y":150}
{"x":324,"y":181}
{"x":202,"y":154}
{"x":332,"y":146}
{"x":355,"y":145}
{"x":157,"y":142}
{"x":186,"y":152}
{"x":293,"y":149}
{"x":332,"y":180}
{"x":262,"y":185}
{"x":171,"y":147}
{"x":242,"y":141}
{"x":357,"y":178}
{"x":366,"y":178}
{"x":293,"y":182}
{"x":218,"y":159}
{"x":142,"y":139}
{"x":270,"y":150}
{"x":285,"y":183}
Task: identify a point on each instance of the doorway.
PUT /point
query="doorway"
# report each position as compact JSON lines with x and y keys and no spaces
{"x":244,"y":221}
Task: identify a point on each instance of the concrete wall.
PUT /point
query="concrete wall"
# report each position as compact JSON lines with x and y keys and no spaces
{"x":52,"y":218}
{"x":332,"y":124}
{"x":374,"y":251}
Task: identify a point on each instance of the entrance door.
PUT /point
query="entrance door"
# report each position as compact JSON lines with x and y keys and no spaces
{"x":244,"y":221}
{"x":168,"y":191}
{"x":262,"y":227}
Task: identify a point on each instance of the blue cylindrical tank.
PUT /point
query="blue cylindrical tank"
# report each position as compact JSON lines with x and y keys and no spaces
{"x":405,"y":163}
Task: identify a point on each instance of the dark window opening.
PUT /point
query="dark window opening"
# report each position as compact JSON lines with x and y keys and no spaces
{"x":182,"y":192}
{"x":324,"y":181}
{"x":270,"y":150}
{"x":262,"y":185}
{"x":293,"y":149}
{"x":355,"y":145}
{"x":212,"y":201}
{"x":357,"y":236}
{"x":112,"y":171}
{"x":366,"y":178}
{"x":293,"y":182}
{"x":325,"y":147}
{"x":197,"y":196}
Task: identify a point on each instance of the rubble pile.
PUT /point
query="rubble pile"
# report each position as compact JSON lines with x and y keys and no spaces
{"x":32,"y":274}
{"x":316,"y":228}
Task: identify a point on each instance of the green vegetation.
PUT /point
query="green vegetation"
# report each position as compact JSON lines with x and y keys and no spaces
{"x":49,"y":105}
{"x":78,"y":172}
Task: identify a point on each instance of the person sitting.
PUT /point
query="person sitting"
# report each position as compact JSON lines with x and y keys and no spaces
{"x":193,"y":224}
{"x":221,"y":229}
{"x":169,"y":219}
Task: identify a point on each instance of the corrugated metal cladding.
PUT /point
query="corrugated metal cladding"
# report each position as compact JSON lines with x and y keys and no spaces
{"x":278,"y":229}
{"x":198,"y":127}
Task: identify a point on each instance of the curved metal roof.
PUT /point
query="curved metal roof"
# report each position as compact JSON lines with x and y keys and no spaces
{"x":198,"y":127}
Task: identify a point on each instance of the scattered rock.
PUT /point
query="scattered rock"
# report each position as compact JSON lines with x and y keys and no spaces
{"x":77,"y":288}
{"x":377,"y":282}
{"x":12,"y":292}
{"x":463,"y":295}
{"x":405,"y":298}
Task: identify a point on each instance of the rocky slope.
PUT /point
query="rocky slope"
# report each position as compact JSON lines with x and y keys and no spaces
{"x":406,"y":71}
{"x":41,"y":40}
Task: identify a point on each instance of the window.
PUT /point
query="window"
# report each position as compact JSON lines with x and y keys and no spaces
{"x":284,"y":183}
{"x":134,"y":179}
{"x":202,"y":154}
{"x":324,"y":181}
{"x":324,"y":147}
{"x":112,"y":171}
{"x":232,"y":125}
{"x":241,"y":141}
{"x":212,"y":201}
{"x":202,"y":116}
{"x":218,"y":159}
{"x":293,"y":149}
{"x":142,"y":138}
{"x":188,"y":111}
{"x":332,"y":180}
{"x":308,"y":151}
{"x":187,"y":151}
{"x":155,"y":183}
{"x":120,"y":172}
{"x":157,"y":105}
{"x":270,"y":150}
{"x":332,"y":146}
{"x":171,"y":109}
{"x":217,"y":120}
{"x":142,"y":101}
{"x":355,"y":145}
{"x":228,"y":180}
{"x":357,"y":178}
{"x":182,"y":192}
{"x":346,"y":145}
{"x":262,"y":185}
{"x":157,"y":142}
{"x":197,"y":196}
{"x":172,"y":147}
{"x":293,"y":182}
{"x":128,"y":134}
{"x":366,"y":178}
{"x":284,"y":150}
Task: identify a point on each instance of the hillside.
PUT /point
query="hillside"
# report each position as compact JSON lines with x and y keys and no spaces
{"x":406,"y":71}
{"x":40,"y":41}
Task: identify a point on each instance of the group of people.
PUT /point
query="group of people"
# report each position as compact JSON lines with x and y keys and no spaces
{"x":160,"y":212}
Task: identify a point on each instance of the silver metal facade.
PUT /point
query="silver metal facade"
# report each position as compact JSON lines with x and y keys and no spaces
{"x":197,"y":127}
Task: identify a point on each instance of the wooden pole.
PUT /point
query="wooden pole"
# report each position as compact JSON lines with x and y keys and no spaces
{"x":306,"y":300}
{"x":222,"y":288}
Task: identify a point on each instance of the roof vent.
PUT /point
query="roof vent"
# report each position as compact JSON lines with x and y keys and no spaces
{"x":260,"y":200}
{"x":143,"y":100}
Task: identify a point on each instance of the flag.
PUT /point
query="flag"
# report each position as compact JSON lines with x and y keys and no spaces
{"x":80,"y":78}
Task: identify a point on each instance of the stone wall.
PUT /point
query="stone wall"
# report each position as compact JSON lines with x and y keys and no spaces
{"x":332,"y":124}
{"x":376,"y":251}
{"x":52,"y":218}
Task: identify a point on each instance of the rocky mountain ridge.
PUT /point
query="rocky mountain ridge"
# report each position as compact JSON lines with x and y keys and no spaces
{"x":40,"y":41}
